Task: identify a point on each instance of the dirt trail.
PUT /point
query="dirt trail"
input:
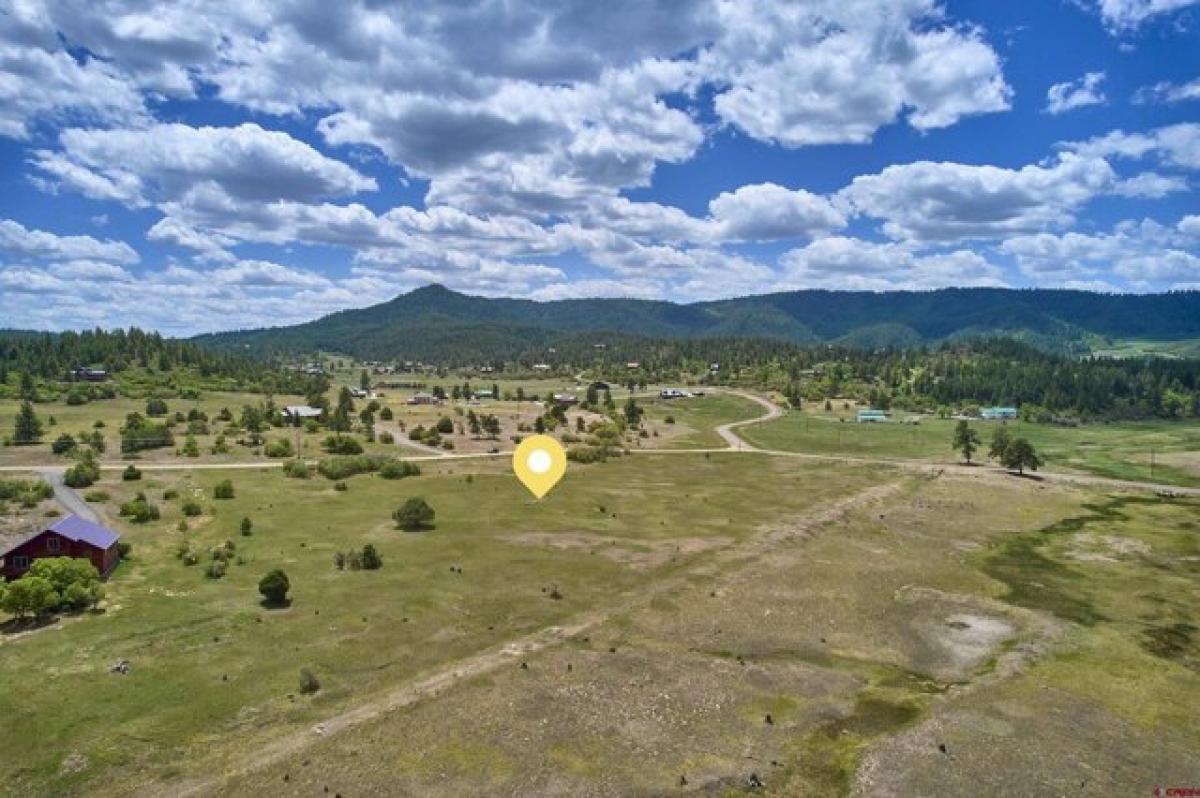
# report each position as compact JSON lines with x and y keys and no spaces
{"x":734,"y":558}
{"x":66,"y":497}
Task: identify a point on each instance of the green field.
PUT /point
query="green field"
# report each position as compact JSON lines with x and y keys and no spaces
{"x":208,"y":659}
{"x":1119,"y":451}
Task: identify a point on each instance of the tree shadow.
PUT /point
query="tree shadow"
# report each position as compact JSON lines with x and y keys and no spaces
{"x":268,"y":604}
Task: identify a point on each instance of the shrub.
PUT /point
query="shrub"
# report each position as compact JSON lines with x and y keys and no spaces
{"x":247,"y":527}
{"x":343,"y":467}
{"x":223,"y":490}
{"x":124,"y":548}
{"x":341,"y":487}
{"x":386,"y":414}
{"x":191,"y":508}
{"x":370,"y":558}
{"x":83,"y":473}
{"x":131,"y":473}
{"x":96,"y":496}
{"x":308,"y":682}
{"x":28,"y":492}
{"x":280,"y":447}
{"x":669,"y":420}
{"x":216,"y":569}
{"x":335,"y":444}
{"x":445,"y":425}
{"x":190,"y":557}
{"x":387,"y":437}
{"x":414,"y":514}
{"x":274,"y":587}
{"x":190,"y":447}
{"x":63,"y":443}
{"x":156,"y":407}
{"x":296,"y":469}
{"x":588,"y":454}
{"x":398,"y":469}
{"x":140,"y":511}
{"x":169,"y":494}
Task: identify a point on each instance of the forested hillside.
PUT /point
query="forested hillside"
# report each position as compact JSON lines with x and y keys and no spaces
{"x":434,"y":323}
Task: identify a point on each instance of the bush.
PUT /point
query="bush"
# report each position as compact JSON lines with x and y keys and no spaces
{"x":169,"y":494}
{"x":63,"y":443}
{"x":414,"y":514}
{"x":216,"y":569}
{"x":140,"y":511}
{"x":191,"y":448}
{"x":247,"y":527}
{"x":274,"y":587}
{"x":156,"y":407}
{"x":281,"y":447}
{"x":124,"y":549}
{"x":83,"y":473}
{"x":296,"y":469}
{"x":386,"y":414}
{"x":343,"y":467}
{"x":191,"y":508}
{"x":387,"y":437}
{"x":308,"y":682}
{"x":131,"y":473}
{"x":398,"y":469}
{"x":96,"y":496}
{"x":341,"y":487}
{"x":28,"y":492}
{"x":445,"y":425}
{"x":669,"y":420}
{"x":370,"y":558}
{"x":223,"y":490}
{"x":335,"y":444}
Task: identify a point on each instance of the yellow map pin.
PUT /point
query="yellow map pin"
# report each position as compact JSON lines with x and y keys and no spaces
{"x":540,"y":462}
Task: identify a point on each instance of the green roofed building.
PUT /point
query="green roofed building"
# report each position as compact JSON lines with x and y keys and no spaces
{"x":871,"y":416}
{"x":998,"y":413}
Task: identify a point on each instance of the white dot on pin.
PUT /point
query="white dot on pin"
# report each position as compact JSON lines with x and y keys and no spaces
{"x":539,"y":461}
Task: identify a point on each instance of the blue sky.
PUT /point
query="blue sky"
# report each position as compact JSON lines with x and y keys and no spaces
{"x":197,"y":166}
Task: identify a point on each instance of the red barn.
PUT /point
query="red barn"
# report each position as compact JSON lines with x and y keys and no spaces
{"x":68,"y":537}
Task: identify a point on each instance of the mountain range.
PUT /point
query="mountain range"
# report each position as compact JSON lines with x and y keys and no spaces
{"x":428,"y":322}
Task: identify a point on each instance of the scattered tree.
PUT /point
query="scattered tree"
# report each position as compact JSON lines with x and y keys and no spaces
{"x":414,"y":514}
{"x":27,"y":428}
{"x":223,"y":490}
{"x":1020,"y":455}
{"x":1000,"y":443}
{"x":966,"y":440}
{"x":274,"y":587}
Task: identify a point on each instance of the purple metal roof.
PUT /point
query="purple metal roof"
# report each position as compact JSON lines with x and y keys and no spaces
{"x":78,"y":529}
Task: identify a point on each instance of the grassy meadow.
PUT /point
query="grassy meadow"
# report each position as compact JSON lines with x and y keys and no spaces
{"x":214,"y":671}
{"x":1117,"y":450}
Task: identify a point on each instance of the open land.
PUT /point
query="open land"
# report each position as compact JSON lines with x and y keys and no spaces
{"x":709,"y":622}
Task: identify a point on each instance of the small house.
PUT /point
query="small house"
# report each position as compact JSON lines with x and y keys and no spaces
{"x":90,"y":375}
{"x":998,"y":413}
{"x":633,"y":364}
{"x":672,"y":393}
{"x":298,"y":414}
{"x":599,"y":386}
{"x":566,"y":399}
{"x":359,"y":393}
{"x":541,"y":366}
{"x":423,"y":399}
{"x":872,"y":416}
{"x":68,"y":537}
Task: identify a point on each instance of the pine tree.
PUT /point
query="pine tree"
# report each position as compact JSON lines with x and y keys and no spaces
{"x":27,"y":428}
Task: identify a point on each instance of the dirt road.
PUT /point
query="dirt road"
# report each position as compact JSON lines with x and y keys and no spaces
{"x":66,"y":497}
